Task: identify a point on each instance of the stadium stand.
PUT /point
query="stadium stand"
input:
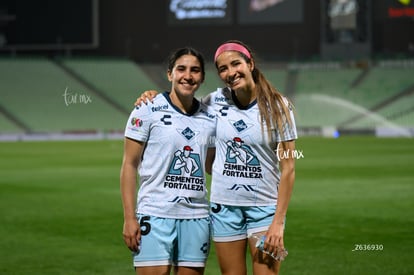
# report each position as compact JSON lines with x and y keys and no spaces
{"x":119,"y":80}
{"x":7,"y":126}
{"x":278,"y":77}
{"x":41,"y":96}
{"x":379,"y":85}
{"x":332,"y":82}
{"x":398,"y":113}
{"x":74,"y":95}
{"x":320,"y":95}
{"x":353,"y":97}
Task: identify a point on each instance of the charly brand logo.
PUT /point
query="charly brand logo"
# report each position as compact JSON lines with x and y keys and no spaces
{"x":75,"y":98}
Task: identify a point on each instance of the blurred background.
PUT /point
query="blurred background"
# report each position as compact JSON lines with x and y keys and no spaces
{"x":73,"y":68}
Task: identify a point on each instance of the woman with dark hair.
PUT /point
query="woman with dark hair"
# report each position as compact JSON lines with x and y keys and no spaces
{"x":167,"y":223}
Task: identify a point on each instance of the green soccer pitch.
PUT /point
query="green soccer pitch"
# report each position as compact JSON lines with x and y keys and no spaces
{"x":350,"y":213}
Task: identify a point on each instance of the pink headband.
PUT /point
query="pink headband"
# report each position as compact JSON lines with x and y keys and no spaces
{"x":231,"y":47}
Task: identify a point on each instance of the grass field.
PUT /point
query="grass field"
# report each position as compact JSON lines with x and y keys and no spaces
{"x":61,"y":211}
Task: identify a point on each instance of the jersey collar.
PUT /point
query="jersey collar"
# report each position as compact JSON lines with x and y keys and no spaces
{"x":196,"y":105}
{"x":237,"y":102}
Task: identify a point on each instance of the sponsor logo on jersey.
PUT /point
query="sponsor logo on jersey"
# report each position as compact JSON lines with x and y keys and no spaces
{"x":166,"y":119}
{"x":220,"y":99}
{"x":204,"y":248}
{"x":159,"y":108}
{"x":241,"y":161}
{"x":136,"y":122}
{"x":223,"y":111}
{"x":207,"y":113}
{"x":185,"y":172}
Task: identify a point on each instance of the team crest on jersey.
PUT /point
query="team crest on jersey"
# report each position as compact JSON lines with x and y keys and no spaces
{"x":185,"y":171}
{"x":188,"y":133}
{"x":240,"y":125}
{"x":137,"y":122}
{"x":241,"y":161}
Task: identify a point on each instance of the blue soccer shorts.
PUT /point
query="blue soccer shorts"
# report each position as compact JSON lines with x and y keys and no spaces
{"x":232,"y":223}
{"x":179,"y":242}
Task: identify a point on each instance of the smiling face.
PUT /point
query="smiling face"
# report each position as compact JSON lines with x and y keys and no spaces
{"x":235,"y":72}
{"x":186,"y":76}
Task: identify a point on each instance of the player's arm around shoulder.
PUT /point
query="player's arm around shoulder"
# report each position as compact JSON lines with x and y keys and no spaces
{"x":146,"y":97}
{"x":210,"y":99}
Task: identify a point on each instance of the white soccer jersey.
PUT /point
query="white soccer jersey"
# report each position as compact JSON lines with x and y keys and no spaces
{"x":171,"y":175}
{"x":245,"y":170}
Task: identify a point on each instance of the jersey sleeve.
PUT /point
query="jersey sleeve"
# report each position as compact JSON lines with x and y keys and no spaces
{"x":211,"y":98}
{"x":138,"y":124}
{"x":289,"y":129}
{"x":212,"y":139}
{"x":207,"y":100}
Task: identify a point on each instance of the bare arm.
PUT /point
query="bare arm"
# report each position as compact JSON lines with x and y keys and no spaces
{"x":287,"y":179}
{"x":128,"y":185}
{"x":211,"y":154}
